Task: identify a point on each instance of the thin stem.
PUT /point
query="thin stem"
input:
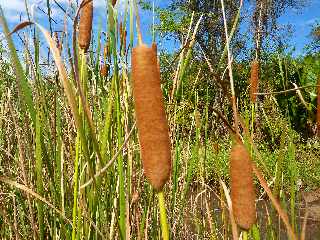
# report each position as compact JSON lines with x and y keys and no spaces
{"x":138,"y":22}
{"x":286,"y":91}
{"x":283,"y":215}
{"x":75,"y":188}
{"x":252,"y":122}
{"x":233,"y":97}
{"x":244,"y":235}
{"x":163,"y":216}
{"x":153,"y":31}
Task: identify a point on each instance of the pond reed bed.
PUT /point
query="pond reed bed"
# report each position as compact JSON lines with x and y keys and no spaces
{"x":85,"y":149}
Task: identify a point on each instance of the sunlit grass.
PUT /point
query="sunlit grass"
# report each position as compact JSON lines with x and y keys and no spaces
{"x":70,"y":165}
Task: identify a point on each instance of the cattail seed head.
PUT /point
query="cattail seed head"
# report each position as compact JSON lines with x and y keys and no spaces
{"x":106,"y":52}
{"x":121,"y":33}
{"x":114,"y":2}
{"x":85,"y":25}
{"x":254,"y":80}
{"x":104,"y":70}
{"x":151,"y":118}
{"x":125,"y":40}
{"x":57,"y":41}
{"x":121,"y":30}
{"x":242,"y":188}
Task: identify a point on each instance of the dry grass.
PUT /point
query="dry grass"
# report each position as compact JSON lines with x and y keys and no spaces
{"x":104,"y":70}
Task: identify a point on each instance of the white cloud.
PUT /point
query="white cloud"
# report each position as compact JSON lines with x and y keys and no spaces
{"x":12,"y":5}
{"x":14,"y":8}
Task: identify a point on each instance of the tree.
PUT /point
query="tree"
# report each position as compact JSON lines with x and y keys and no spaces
{"x":210,"y":37}
{"x":265,"y":16}
{"x":315,"y":35}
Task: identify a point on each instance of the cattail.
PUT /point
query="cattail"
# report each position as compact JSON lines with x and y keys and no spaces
{"x":242,"y":188}
{"x":104,"y":70}
{"x":125,"y":38}
{"x":318,"y":108}
{"x":57,"y":41}
{"x":121,"y":34}
{"x":121,"y":30}
{"x":215,"y":148}
{"x":151,"y":118}
{"x":85,"y":25}
{"x":114,"y":2}
{"x":124,"y":41}
{"x":254,"y":80}
{"x":106,"y":52}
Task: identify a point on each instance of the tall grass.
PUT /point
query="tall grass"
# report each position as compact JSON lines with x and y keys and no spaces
{"x":71,"y":167}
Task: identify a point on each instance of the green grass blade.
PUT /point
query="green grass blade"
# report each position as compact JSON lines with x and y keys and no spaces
{"x":22,"y":82}
{"x":38,"y":157}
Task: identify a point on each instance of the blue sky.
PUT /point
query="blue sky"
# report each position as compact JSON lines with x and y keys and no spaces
{"x":301,"y":20}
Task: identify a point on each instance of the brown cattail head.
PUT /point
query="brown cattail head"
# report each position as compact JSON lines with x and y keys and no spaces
{"x":114,"y":2}
{"x":121,"y":30}
{"x":151,"y":118}
{"x":121,"y":33}
{"x":106,"y":52}
{"x":242,"y":188}
{"x":318,"y":107}
{"x":104,"y":70}
{"x":125,"y":40}
{"x":57,"y":41}
{"x":85,"y":25}
{"x":254,"y":80}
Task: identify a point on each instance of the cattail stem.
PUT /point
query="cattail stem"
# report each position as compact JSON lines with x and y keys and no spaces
{"x":233,"y":95}
{"x":252,"y":122}
{"x":75,"y":187}
{"x":138,"y":23}
{"x":244,"y":235}
{"x":163,"y":216}
{"x":153,"y":26}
